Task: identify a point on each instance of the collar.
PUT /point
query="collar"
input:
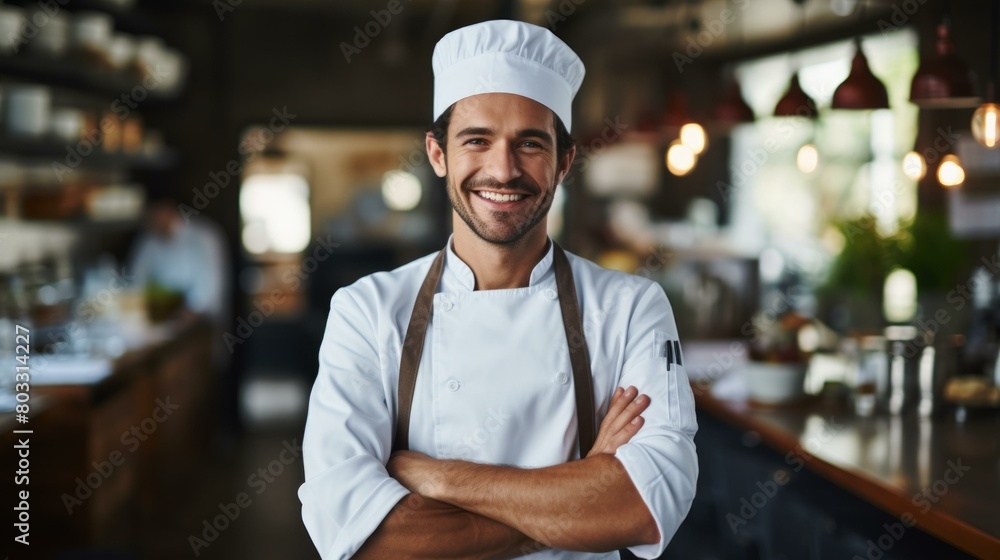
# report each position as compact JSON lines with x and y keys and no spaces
{"x":463,"y":275}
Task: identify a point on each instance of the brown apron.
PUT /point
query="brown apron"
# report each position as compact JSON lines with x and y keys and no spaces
{"x":413,"y":347}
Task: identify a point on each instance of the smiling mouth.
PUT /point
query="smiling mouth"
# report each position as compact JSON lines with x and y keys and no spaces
{"x":500,"y":197}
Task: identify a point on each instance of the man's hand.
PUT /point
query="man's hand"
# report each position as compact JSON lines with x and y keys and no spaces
{"x":622,"y":421}
{"x":415,"y":471}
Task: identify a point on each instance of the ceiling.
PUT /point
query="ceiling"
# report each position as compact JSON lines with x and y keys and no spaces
{"x":634,"y":28}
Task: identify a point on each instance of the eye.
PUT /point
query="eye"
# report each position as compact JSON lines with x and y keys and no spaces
{"x":475,"y":142}
{"x":532,"y":145}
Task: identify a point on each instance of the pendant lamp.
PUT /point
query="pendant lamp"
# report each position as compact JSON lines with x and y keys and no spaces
{"x":986,"y":119}
{"x":861,"y":90}
{"x":943,"y":80}
{"x":796,"y":102}
{"x":732,"y":109}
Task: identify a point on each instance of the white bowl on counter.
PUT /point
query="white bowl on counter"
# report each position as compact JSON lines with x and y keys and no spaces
{"x":775,"y":383}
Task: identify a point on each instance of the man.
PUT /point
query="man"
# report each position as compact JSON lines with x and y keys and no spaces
{"x":491,"y":452}
{"x":186,"y":258}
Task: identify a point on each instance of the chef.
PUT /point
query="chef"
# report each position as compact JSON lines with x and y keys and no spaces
{"x":501,"y":397}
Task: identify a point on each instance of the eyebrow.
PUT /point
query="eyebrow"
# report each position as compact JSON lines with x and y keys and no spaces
{"x":523,"y":133}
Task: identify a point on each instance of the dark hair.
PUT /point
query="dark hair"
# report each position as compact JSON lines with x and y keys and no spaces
{"x":439,"y":129}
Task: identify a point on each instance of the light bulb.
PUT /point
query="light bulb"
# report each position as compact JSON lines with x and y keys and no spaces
{"x":950,"y":173}
{"x":807,"y":158}
{"x":680,"y":159}
{"x":401,"y":190}
{"x":986,"y":125}
{"x":914,"y":166}
{"x":693,"y":136}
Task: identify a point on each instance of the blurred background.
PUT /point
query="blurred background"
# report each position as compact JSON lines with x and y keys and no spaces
{"x":815,"y":183}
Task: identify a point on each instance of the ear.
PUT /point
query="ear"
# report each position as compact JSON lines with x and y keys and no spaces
{"x":435,"y":155}
{"x":565,"y":163}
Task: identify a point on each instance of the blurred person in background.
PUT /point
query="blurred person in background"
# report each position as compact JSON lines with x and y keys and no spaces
{"x":182,"y":257}
{"x":522,"y":349}
{"x":182,"y":265}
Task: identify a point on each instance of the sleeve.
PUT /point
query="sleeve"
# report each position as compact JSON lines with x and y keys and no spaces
{"x":347,"y":490}
{"x":208,"y":295}
{"x":661,"y":458}
{"x":139,"y":260}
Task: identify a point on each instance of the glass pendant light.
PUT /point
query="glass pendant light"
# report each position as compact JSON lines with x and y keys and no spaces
{"x":986,"y":119}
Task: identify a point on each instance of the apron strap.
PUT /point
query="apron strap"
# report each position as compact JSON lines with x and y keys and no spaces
{"x":416,"y":331}
{"x":579,"y":357}
{"x":413,"y":348}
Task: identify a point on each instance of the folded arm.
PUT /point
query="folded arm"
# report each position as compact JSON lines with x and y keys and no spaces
{"x":587,"y":505}
{"x":419,"y":527}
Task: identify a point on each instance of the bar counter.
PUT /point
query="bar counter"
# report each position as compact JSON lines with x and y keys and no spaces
{"x":106,"y":447}
{"x":939,"y":473}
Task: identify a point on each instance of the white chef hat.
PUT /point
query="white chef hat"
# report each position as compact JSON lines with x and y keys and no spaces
{"x":504,"y":56}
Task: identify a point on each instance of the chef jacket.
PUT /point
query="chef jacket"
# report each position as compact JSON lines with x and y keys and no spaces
{"x":495,"y":386}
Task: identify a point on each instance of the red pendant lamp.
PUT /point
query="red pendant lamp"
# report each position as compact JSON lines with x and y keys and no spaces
{"x":796,"y":102}
{"x":943,"y":80}
{"x":732,"y":109}
{"x":861,"y":90}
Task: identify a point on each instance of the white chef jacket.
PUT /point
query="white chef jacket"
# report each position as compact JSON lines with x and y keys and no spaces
{"x":495,"y":386}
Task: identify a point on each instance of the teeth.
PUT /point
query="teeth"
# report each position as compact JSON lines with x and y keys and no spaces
{"x":497,"y":197}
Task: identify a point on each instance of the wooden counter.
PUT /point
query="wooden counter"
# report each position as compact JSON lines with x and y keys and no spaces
{"x":103,"y":452}
{"x":943,"y":473}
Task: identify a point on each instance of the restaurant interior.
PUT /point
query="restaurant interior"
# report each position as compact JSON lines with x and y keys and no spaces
{"x":814,"y":183}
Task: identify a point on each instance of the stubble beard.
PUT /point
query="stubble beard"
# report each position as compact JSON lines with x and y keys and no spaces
{"x":503,"y":233}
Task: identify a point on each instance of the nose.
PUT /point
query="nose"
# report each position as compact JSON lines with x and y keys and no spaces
{"x":501,"y":163}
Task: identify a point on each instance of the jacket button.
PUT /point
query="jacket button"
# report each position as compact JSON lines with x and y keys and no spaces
{"x":454,"y":385}
{"x":446,"y":305}
{"x":562,"y":378}
{"x":550,"y":294}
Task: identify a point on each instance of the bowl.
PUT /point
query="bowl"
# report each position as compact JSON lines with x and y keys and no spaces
{"x":775,"y":382}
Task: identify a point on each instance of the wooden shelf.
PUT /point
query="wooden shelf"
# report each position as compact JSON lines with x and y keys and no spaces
{"x":56,"y":150}
{"x":132,"y":21}
{"x":70,"y":74}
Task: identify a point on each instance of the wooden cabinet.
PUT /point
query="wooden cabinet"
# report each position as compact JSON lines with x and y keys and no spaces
{"x":104,"y":455}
